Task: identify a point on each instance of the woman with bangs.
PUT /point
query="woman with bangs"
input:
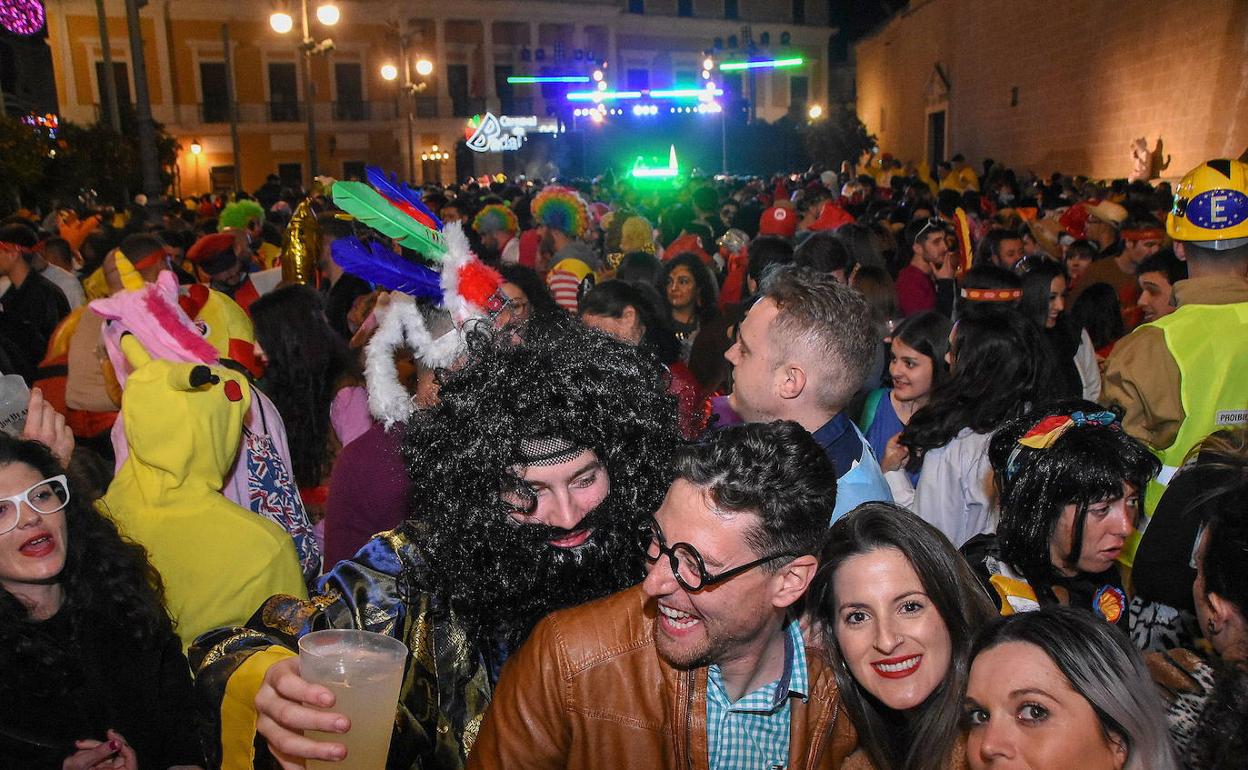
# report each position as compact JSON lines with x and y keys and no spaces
{"x":1069,"y":481}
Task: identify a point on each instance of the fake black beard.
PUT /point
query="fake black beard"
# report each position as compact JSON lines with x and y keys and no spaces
{"x":503,"y":577}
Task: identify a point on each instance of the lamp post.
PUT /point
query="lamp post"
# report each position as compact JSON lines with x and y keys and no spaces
{"x":423,"y":69}
{"x":328,"y":15}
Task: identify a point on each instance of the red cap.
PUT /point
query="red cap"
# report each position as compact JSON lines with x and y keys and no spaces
{"x":778,"y":220}
{"x":213,"y":252}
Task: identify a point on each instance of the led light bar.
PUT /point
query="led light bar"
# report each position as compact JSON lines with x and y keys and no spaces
{"x":669,"y":93}
{"x":731,"y":66}
{"x":547,"y":79}
{"x":604,"y":96}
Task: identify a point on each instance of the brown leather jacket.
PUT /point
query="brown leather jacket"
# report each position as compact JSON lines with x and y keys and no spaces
{"x":589,"y":691}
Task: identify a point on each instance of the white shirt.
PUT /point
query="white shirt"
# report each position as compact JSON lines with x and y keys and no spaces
{"x":955,"y":492}
{"x":511,"y":252}
{"x":1089,"y":368}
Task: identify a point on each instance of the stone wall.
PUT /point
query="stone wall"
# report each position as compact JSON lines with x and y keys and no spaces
{"x":1061,"y":85}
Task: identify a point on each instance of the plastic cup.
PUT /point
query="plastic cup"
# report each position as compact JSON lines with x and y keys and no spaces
{"x":14,"y":396}
{"x":364,"y":671}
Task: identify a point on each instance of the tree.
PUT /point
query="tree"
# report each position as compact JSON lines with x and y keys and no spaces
{"x":838,"y":137}
{"x":23,"y":160}
{"x":98,"y":158}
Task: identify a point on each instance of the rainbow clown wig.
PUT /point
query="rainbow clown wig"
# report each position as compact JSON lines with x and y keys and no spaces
{"x":495,"y":218}
{"x":562,"y":209}
{"x":239,"y":214}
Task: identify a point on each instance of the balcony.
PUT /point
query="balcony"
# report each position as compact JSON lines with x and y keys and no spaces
{"x":359,"y":111}
{"x":285,"y":112}
{"x":467,"y":107}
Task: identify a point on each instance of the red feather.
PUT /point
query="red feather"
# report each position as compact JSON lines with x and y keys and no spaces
{"x":478,"y":282}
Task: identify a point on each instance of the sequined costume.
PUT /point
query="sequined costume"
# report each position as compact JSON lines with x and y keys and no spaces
{"x":446,"y":687}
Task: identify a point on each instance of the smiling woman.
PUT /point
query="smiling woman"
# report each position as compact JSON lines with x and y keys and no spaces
{"x":899,"y":608}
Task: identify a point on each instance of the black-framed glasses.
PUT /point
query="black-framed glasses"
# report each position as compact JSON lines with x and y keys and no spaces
{"x":47,"y":496}
{"x":687,"y":564}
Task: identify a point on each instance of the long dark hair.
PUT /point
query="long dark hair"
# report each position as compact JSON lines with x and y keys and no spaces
{"x":611,"y":298}
{"x":1086,"y":465}
{"x":306,"y":361}
{"x":1102,"y":665}
{"x":540,"y":301}
{"x":106,"y":579}
{"x":1001,"y":366}
{"x":707,"y":302}
{"x":931,"y":732}
{"x":928,"y":334}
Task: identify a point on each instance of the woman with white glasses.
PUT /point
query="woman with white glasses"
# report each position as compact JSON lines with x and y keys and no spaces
{"x":91,"y":673}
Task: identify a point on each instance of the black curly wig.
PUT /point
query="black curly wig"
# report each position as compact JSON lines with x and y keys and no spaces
{"x":564,"y":381}
{"x":106,"y":579}
{"x":1086,"y":465}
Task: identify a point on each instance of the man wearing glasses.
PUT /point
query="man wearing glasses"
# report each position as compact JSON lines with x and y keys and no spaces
{"x":704,"y":664}
{"x":927,"y":282}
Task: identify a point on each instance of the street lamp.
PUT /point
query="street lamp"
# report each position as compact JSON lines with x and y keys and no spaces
{"x":390,"y":72}
{"x":328,"y":15}
{"x":815,"y":112}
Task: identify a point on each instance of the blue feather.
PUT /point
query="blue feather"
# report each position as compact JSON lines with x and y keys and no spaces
{"x":396,"y":190}
{"x":382,"y":267}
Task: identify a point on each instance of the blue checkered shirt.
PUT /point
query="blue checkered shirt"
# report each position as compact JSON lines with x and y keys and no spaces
{"x":753,"y":733}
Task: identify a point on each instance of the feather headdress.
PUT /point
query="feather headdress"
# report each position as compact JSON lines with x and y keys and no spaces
{"x":561,"y":208}
{"x":462,"y":285}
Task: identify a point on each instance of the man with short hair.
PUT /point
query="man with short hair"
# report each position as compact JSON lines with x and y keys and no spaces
{"x":1157,"y":275}
{"x":533,"y":472}
{"x":927,"y":282}
{"x":1118,"y":262}
{"x":1000,"y":247}
{"x":32,"y":306}
{"x":705,"y":663}
{"x":802,"y":352}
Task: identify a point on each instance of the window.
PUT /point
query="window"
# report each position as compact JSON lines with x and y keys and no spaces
{"x":730,"y":9}
{"x":283,"y":92}
{"x":636,"y":6}
{"x":291,"y":175}
{"x":457,"y":86}
{"x":121,"y":76}
{"x":216,"y":107}
{"x":221,"y":178}
{"x":799,"y":90}
{"x":684,"y":7}
{"x":638,"y":79}
{"x":353,"y":170}
{"x":799,"y":11}
{"x":935,"y":138}
{"x":349,"y":83}
{"x":506,"y":92}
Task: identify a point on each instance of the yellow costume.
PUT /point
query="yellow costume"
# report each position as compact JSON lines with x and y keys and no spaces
{"x":219,"y":562}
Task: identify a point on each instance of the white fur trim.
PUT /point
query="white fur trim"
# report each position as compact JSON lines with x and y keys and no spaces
{"x":402,"y":324}
{"x":458,"y":254}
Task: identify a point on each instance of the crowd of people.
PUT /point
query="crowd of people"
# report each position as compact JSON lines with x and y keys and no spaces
{"x":856,"y":469}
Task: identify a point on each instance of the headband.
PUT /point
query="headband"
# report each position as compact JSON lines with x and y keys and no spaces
{"x":548,"y":450}
{"x":1046,"y":432}
{"x":992,"y":295}
{"x":1143,"y":233}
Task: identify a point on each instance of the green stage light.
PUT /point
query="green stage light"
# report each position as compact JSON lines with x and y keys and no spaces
{"x":732,"y":66}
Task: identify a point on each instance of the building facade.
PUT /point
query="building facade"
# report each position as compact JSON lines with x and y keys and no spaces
{"x":1066,"y":85}
{"x":361,"y":118}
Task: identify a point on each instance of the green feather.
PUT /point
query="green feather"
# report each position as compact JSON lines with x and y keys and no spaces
{"x":370,"y":208}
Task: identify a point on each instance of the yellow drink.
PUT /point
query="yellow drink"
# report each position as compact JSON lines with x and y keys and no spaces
{"x":364,"y":671}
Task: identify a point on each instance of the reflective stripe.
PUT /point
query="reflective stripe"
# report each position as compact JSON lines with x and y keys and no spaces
{"x":1167,"y":473}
